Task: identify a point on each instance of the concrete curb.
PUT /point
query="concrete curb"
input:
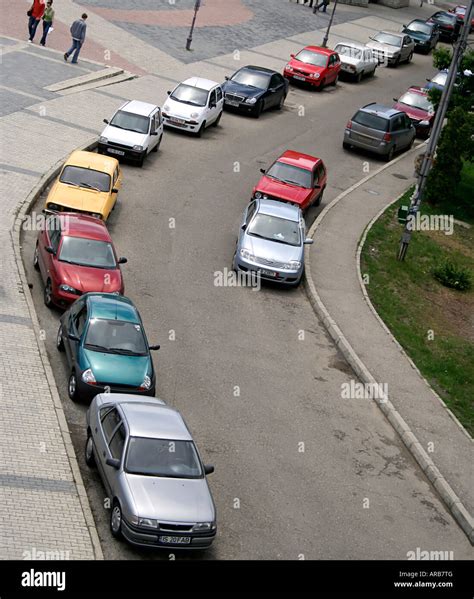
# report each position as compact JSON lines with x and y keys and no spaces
{"x":445,"y":491}
{"x":20,"y":215}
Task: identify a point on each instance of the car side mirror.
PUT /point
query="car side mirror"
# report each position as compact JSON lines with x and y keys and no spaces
{"x":154,"y":133}
{"x":317,"y":186}
{"x":244,"y":226}
{"x":227,"y":78}
{"x":73,"y":337}
{"x":122,"y":260}
{"x":169,"y":93}
{"x":115,"y":190}
{"x":395,"y":99}
{"x":292,"y":55}
{"x":272,"y":89}
{"x":154,"y":347}
{"x":113,"y":462}
{"x":308,"y":241}
{"x":50,"y":250}
{"x":208,"y":469}
{"x":106,"y":121}
{"x":212,"y":105}
{"x":263,"y":171}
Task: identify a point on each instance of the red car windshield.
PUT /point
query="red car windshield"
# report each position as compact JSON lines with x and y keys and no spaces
{"x":308,"y":57}
{"x":87,"y":252}
{"x":417,"y":101}
{"x":290,"y":174}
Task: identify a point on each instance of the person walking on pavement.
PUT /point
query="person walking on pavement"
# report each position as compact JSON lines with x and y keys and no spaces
{"x":78,"y":33}
{"x":35,"y":13}
{"x":324,"y":4}
{"x":310,"y":2}
{"x":47,"y":21}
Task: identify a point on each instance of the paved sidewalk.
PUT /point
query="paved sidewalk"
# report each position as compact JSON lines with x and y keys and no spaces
{"x":334,"y":270}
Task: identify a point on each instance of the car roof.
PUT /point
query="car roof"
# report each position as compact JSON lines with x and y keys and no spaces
{"x":380,"y":109}
{"x":96,"y":162}
{"x":82,"y":225}
{"x":138,"y":107}
{"x":420,"y":21}
{"x":352,"y":44}
{"x":112,"y":307}
{"x":206,"y":84}
{"x":155,"y":421}
{"x":397,"y":33}
{"x":299,"y":159}
{"x":280,"y":209}
{"x":319,"y":50}
{"x":253,"y":67}
{"x":416,"y":89}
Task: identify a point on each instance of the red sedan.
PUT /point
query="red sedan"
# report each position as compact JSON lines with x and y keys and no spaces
{"x":75,"y":254}
{"x":460,"y":12}
{"x":314,"y":65}
{"x":294,"y":177}
{"x":416,"y":105}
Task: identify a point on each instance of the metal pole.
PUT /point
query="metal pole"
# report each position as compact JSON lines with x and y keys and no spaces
{"x":428,"y":156}
{"x":197,"y":6}
{"x":326,"y":36}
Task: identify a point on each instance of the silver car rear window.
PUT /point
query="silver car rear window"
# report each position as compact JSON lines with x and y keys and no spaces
{"x":371,"y":120}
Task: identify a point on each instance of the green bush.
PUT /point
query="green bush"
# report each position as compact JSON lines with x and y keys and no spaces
{"x":453,"y":276}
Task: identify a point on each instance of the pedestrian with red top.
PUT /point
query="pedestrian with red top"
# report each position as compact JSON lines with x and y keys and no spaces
{"x":35,"y":14}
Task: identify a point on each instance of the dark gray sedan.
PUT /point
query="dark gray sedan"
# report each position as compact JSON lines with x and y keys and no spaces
{"x":152,"y":472}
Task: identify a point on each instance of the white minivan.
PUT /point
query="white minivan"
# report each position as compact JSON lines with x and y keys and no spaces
{"x":135,"y":130}
{"x":193,"y":105}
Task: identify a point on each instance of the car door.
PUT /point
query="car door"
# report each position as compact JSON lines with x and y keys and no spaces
{"x":212,"y":110}
{"x":68,"y":327}
{"x":407,"y":131}
{"x":156,"y":127}
{"x":406,"y":47}
{"x":109,"y":422}
{"x":77,"y":325}
{"x":370,"y":61}
{"x":397,"y":130}
{"x":247,"y":217}
{"x":50,"y":238}
{"x":276,"y":89}
{"x":220,"y":99}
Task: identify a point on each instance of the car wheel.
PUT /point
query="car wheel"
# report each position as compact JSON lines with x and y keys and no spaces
{"x":48,"y":294}
{"x":89,"y":452}
{"x":201,"y":129}
{"x":281,"y":103}
{"x":346,"y":146}
{"x":358,"y":77}
{"x":258,"y":109}
{"x":410,"y":56}
{"x":410,"y":145}
{"x":59,"y":339}
{"x":218,"y":120}
{"x":320,"y":199}
{"x":397,"y":62}
{"x":335,"y":80}
{"x":72,"y":387}
{"x":157,"y":147}
{"x":116,"y":520}
{"x":141,"y":160}
{"x":322,"y":85}
{"x":35,"y":259}
{"x":372,"y":73}
{"x":391,"y":154}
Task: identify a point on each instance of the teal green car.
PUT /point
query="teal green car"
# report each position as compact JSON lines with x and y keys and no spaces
{"x":106,"y":347}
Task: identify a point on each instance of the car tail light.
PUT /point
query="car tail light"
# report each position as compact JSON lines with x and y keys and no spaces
{"x":387,"y":137}
{"x":349,"y":125}
{"x":449,"y":26}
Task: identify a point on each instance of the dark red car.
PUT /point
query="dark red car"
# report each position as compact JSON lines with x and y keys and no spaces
{"x":314,"y":65}
{"x":75,"y":254}
{"x":294,"y":177}
{"x":460,"y":12}
{"x":416,"y":105}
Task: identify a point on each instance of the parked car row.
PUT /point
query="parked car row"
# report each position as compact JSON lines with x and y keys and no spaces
{"x":143,"y":449}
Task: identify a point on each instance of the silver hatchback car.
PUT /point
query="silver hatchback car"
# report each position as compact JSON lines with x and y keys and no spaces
{"x":152,"y":472}
{"x":271,"y":241}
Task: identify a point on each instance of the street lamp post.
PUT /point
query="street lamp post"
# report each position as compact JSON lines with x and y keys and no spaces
{"x":326,"y":35}
{"x":197,"y":6}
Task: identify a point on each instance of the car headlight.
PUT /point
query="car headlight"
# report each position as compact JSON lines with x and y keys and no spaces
{"x":147,"y":522}
{"x":195,"y":115}
{"x":69,"y":289}
{"x":424,"y":123}
{"x":146,"y":383}
{"x":54,"y":207}
{"x":166,"y":107}
{"x":251,"y":100}
{"x":103,"y":140}
{"x":203,"y":526}
{"x":138,"y":148}
{"x":88,"y":376}
{"x":315,"y":75}
{"x":295,"y":264}
{"x":257,"y":195}
{"x":288,"y":68}
{"x":246,"y":255}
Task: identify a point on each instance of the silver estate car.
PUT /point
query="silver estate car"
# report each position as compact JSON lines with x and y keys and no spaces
{"x":271,"y":241}
{"x":379,"y":129}
{"x":357,"y":60}
{"x":151,"y":471}
{"x":392,"y":48}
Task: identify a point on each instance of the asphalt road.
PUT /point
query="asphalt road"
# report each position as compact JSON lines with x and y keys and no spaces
{"x":299,"y":470}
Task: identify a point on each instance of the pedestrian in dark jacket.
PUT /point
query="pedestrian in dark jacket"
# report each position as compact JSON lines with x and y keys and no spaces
{"x":47,"y":20}
{"x":78,"y":33}
{"x":309,"y":2}
{"x":35,"y":13}
{"x":324,"y":4}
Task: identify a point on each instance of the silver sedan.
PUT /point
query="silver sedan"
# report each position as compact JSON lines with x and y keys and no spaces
{"x":357,"y":60}
{"x":391,"y":48}
{"x":271,"y":242}
{"x":152,"y":472}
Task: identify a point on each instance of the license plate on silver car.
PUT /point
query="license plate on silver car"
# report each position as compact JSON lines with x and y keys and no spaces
{"x":175,"y":540}
{"x":119,"y":152}
{"x":269,"y":273}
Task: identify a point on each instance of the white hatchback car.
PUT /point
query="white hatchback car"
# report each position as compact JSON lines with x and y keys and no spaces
{"x":193,"y":105}
{"x":357,"y":60}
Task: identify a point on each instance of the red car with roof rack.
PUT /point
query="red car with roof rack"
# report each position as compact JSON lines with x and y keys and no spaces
{"x":294,"y":177}
{"x":314,"y":65}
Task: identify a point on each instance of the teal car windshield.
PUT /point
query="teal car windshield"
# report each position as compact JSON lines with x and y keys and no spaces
{"x":116,"y":336}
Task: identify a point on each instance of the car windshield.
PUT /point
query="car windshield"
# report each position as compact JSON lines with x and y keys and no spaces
{"x":371,"y":120}
{"x":417,"y":101}
{"x":116,"y":336}
{"x":162,"y":457}
{"x":344,"y":50}
{"x":131,"y":122}
{"x":419,"y":27}
{"x":276,"y":229}
{"x":85,"y":177}
{"x":251,"y":78}
{"x":195,"y":96}
{"x":387,"y":38}
{"x":460,"y":10}
{"x":290,"y":174}
{"x":440,"y":78}
{"x":317,"y":60}
{"x":444,"y":17}
{"x":87,"y":252}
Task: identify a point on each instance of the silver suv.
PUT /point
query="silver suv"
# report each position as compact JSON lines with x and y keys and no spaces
{"x":379,"y":129}
{"x":151,"y":471}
